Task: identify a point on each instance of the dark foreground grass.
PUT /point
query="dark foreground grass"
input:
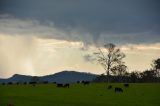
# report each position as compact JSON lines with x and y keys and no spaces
{"x":80,"y":95}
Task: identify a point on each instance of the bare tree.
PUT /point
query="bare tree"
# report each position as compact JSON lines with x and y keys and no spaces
{"x":110,"y":56}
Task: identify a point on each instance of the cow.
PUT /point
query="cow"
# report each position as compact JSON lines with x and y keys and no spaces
{"x":66,"y":85}
{"x":33,"y":83}
{"x":110,"y":87}
{"x":85,"y":82}
{"x":10,"y":83}
{"x":59,"y":85}
{"x":3,"y":83}
{"x":126,"y":85}
{"x":117,"y":89}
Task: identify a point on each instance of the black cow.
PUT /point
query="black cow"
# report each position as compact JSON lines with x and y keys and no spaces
{"x":33,"y":83}
{"x":126,"y":85}
{"x":86,"y":82}
{"x":3,"y":83}
{"x":117,"y":89}
{"x":59,"y":85}
{"x":10,"y":83}
{"x":110,"y":87}
{"x":66,"y":85}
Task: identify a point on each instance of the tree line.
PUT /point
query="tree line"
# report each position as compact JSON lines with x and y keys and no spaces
{"x":111,"y":59}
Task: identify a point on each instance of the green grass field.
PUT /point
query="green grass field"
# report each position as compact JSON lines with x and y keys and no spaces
{"x":80,"y":95}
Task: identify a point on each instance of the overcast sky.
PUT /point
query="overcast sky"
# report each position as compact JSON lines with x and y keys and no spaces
{"x":39,"y":37}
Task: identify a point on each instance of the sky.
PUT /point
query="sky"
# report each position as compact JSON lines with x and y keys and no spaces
{"x":41,"y":37}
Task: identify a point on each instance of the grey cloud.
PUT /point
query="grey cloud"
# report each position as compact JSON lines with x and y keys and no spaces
{"x":122,"y":21}
{"x":10,"y":25}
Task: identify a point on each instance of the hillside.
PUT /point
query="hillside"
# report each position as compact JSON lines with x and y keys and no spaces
{"x":60,"y":77}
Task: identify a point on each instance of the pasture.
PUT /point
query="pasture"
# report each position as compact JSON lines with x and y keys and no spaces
{"x":95,"y":94}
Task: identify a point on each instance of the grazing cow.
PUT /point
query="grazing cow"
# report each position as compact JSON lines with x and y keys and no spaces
{"x":126,"y":85}
{"x":117,"y":89}
{"x":32,"y":82}
{"x":59,"y":85}
{"x":66,"y":85}
{"x":3,"y":83}
{"x":110,"y":87}
{"x":86,"y":82}
{"x":10,"y":83}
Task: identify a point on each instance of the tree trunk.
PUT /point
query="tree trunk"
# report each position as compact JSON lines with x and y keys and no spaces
{"x":108,"y":79}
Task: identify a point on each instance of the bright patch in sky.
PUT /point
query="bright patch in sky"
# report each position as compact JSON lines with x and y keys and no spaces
{"x":38,"y":56}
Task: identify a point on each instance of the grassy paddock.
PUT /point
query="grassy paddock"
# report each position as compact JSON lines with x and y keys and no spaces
{"x":80,"y":95}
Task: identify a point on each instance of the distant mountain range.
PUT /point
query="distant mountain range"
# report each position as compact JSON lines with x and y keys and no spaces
{"x":60,"y":77}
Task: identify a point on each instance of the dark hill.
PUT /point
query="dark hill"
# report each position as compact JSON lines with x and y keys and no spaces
{"x":17,"y":78}
{"x":69,"y":76}
{"x":60,"y":77}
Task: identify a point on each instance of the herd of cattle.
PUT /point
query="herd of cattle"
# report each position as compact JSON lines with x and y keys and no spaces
{"x":67,"y":85}
{"x":116,"y":89}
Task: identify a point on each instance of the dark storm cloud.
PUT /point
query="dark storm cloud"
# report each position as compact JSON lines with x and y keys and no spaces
{"x":120,"y":21}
